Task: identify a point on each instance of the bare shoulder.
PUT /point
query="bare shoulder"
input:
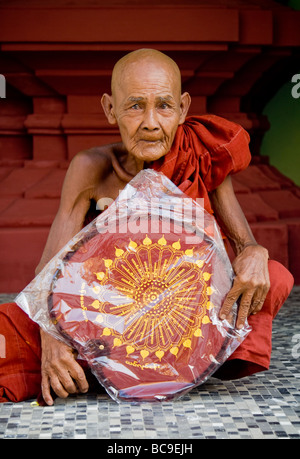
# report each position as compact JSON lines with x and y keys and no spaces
{"x":91,"y":165}
{"x":99,"y":159}
{"x":95,"y":159}
{"x":86,"y":170}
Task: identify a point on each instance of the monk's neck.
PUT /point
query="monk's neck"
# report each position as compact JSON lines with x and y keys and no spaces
{"x":133,"y":165}
{"x":125,"y":165}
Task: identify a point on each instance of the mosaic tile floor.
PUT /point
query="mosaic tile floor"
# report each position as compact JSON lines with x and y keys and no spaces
{"x":266,"y":405}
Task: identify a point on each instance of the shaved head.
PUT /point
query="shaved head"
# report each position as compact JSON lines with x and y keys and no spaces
{"x":140,"y":57}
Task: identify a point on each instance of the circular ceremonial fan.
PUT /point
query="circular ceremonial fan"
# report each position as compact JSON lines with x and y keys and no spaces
{"x":142,"y":309}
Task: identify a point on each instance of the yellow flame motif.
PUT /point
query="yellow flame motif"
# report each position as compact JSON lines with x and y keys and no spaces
{"x":158,"y":300}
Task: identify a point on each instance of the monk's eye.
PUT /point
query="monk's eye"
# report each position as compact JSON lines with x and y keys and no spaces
{"x":164,"y":106}
{"x":135,"y":107}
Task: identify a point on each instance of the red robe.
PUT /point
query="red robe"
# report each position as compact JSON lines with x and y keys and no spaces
{"x":205,"y":150}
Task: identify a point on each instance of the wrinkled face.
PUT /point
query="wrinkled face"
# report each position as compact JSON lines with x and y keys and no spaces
{"x":148,"y":107}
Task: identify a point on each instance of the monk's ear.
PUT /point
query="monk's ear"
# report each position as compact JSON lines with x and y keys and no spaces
{"x":107,"y":105}
{"x":184,"y":106}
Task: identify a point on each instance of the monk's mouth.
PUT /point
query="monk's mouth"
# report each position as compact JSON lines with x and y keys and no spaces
{"x":150,"y":141}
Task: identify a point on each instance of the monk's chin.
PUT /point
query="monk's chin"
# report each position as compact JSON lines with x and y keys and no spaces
{"x":149,"y":152}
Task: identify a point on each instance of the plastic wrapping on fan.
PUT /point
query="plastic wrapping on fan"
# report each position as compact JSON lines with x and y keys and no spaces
{"x":138,"y":292}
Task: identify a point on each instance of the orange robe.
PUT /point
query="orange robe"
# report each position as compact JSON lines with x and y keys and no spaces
{"x":205,"y":150}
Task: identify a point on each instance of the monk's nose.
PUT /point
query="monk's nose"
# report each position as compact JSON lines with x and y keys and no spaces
{"x":150,"y":121}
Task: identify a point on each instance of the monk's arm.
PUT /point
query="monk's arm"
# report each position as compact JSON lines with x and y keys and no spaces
{"x":251,"y":283}
{"x":59,"y":367}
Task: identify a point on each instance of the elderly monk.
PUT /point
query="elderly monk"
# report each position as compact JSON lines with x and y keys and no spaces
{"x":198,"y":154}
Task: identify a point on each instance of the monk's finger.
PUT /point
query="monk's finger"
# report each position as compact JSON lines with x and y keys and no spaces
{"x":58,"y":387}
{"x":258,"y":301}
{"x":66,"y":382}
{"x":229,"y":301}
{"x":46,"y":390}
{"x":244,"y":308}
{"x":78,"y":376}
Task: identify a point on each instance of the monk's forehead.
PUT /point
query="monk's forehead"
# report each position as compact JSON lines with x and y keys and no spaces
{"x":144,"y":70}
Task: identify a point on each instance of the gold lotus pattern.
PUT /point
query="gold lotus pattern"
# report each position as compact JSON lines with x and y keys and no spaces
{"x":152,"y":297}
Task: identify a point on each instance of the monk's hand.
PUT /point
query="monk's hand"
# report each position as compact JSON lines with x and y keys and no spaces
{"x":251,"y":284}
{"x":60,"y":369}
